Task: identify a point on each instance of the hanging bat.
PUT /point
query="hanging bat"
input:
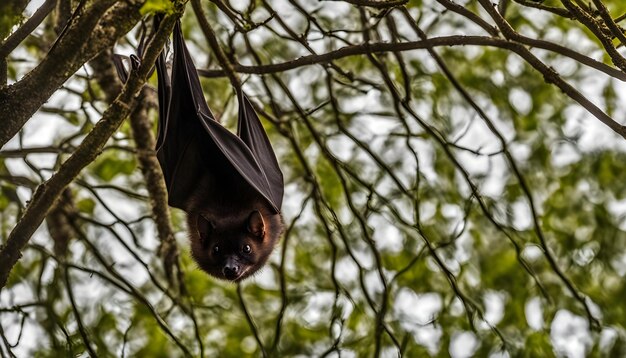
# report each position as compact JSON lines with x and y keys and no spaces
{"x":230,"y":186}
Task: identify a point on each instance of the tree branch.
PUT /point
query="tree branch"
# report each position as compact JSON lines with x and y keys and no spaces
{"x":455,"y":40}
{"x":590,"y":22}
{"x":377,"y":4}
{"x":463,"y":11}
{"x":609,"y":22}
{"x":48,"y":192}
{"x":211,"y":37}
{"x":10,"y":14}
{"x":141,"y":126}
{"x":550,"y":75}
{"x":151,"y":170}
{"x":23,"y":31}
{"x":539,"y":5}
{"x":95,"y":30}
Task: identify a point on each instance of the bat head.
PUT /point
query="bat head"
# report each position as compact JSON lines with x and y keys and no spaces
{"x":233,"y":247}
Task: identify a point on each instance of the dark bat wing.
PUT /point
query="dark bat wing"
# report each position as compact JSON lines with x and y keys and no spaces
{"x":251,"y":131}
{"x":180,"y":132}
{"x":188,"y":133}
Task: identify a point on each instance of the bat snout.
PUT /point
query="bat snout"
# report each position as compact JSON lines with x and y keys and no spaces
{"x":231,"y":271}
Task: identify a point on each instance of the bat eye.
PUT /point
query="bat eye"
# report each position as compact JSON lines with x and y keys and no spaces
{"x":246,"y":249}
{"x":216,"y":249}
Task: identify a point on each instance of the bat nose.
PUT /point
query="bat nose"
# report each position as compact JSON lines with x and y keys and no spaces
{"x":231,"y":271}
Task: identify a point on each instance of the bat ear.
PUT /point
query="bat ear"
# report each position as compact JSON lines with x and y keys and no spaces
{"x":256,"y":226}
{"x":205,"y":227}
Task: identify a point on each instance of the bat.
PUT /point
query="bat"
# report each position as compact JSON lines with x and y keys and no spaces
{"x":230,"y":185}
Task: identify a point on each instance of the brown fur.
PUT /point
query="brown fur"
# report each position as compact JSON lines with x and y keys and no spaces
{"x":227,"y":215}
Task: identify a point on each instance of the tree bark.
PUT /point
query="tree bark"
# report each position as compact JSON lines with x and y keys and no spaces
{"x":93,"y":31}
{"x":48,"y":192}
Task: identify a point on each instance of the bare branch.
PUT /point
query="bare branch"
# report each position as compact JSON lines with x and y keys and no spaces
{"x":95,"y":30}
{"x":378,"y":4}
{"x":23,"y":31}
{"x":609,"y":22}
{"x":586,"y":19}
{"x":443,"y":41}
{"x":48,"y":192}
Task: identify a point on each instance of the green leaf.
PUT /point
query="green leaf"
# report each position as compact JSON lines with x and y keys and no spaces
{"x":86,"y":205}
{"x":157,"y":6}
{"x":111,"y":164}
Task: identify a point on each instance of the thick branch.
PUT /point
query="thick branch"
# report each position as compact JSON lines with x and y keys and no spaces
{"x":151,"y":170}
{"x":48,"y":192}
{"x":95,"y":30}
{"x":21,"y":33}
{"x":106,"y":76}
{"x":58,"y":223}
{"x":550,"y":75}
{"x":456,"y":40}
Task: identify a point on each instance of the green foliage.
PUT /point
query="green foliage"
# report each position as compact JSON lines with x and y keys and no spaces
{"x":157,"y":6}
{"x":329,"y":183}
{"x":10,"y":15}
{"x":86,"y":205}
{"x":537,"y":345}
{"x":112,"y":164}
{"x":420,"y":191}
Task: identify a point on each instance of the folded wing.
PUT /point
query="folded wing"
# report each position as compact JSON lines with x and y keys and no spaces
{"x":188,"y":132}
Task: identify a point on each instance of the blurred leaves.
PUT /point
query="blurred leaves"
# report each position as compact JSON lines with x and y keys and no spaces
{"x":419,"y":191}
{"x":157,"y":6}
{"x":111,"y":164}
